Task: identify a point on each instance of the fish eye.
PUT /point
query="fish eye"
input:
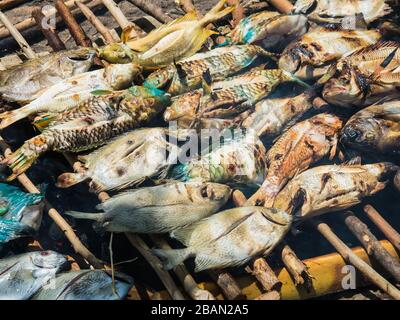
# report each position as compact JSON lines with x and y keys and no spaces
{"x":44,"y":253}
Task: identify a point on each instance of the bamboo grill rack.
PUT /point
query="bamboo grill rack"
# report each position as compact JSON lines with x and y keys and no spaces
{"x":297,"y":279}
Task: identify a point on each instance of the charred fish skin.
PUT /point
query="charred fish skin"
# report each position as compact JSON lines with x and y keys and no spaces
{"x":365,"y":76}
{"x":187,"y":74}
{"x":91,"y":124}
{"x":126,"y":161}
{"x":302,"y":145}
{"x":23,"y":275}
{"x":229,"y":238}
{"x":374,"y":129}
{"x":332,"y":188}
{"x":268,"y":29}
{"x":25,"y":82}
{"x":159,"y":209}
{"x":86,"y":285}
{"x":322,"y":46}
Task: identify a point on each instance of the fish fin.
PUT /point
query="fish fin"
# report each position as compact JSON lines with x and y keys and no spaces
{"x":100,"y":92}
{"x":172,"y":258}
{"x":183,"y":235}
{"x":287,"y":76}
{"x":216,"y":13}
{"x":9,"y":117}
{"x":328,"y":75}
{"x":125,"y":35}
{"x":42,"y":122}
{"x":334,"y":148}
{"x":85,"y":215}
{"x":69,"y":179}
{"x":353,"y":161}
{"x":10,"y":230}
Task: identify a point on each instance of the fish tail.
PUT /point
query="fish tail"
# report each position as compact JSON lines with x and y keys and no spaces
{"x":69,"y":179}
{"x":216,"y":13}
{"x":43,"y":121}
{"x":25,"y":156}
{"x":85,"y":215}
{"x":287,"y":76}
{"x":9,"y":117}
{"x":172,"y":258}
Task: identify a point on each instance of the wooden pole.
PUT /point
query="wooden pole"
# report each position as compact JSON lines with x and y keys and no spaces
{"x":372,"y":245}
{"x":154,"y":10}
{"x":390,"y":233}
{"x":117,"y":13}
{"x":30,"y":54}
{"x":296,"y":267}
{"x":283,"y":6}
{"x":356,"y":261}
{"x":52,"y":37}
{"x":5,"y":4}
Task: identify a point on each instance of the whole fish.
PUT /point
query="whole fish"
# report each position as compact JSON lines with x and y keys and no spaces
{"x":268,"y":29}
{"x":70,"y":92}
{"x":374,"y":129}
{"x":86,"y":285}
{"x":310,"y":56}
{"x":272,"y":116}
{"x":332,"y":188}
{"x":227,"y":98}
{"x":187,"y":74}
{"x":126,"y":161}
{"x":365,"y":76}
{"x":91,"y":124}
{"x":302,"y":145}
{"x":332,"y":10}
{"x":176,"y":40}
{"x":158,"y":209}
{"x":238,"y":160}
{"x":20,"y":212}
{"x":27,"y":81}
{"x":23,"y":275}
{"x":229,"y":238}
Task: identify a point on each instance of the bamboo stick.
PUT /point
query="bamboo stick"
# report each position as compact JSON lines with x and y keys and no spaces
{"x":30,"y":22}
{"x":183,"y":274}
{"x":117,"y":13}
{"x":227,"y":284}
{"x":390,"y":233}
{"x":30,"y":54}
{"x":296,"y":267}
{"x":352,"y":258}
{"x":73,"y":26}
{"x":372,"y":245}
{"x":5,"y":4}
{"x":283,"y":6}
{"x":100,"y":27}
{"x":265,"y":275}
{"x":52,"y":38}
{"x":150,"y":8}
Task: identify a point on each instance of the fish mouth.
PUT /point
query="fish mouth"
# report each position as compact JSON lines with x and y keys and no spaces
{"x":350,"y":135}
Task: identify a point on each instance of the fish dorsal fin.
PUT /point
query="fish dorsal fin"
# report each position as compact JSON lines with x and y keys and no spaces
{"x":372,"y":48}
{"x":352,"y":161}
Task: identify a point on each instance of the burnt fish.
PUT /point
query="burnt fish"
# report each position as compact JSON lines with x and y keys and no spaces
{"x":20,"y":212}
{"x":27,"y":81}
{"x":21,"y":276}
{"x":374,"y":129}
{"x":229,"y":238}
{"x":86,"y":285}
{"x":158,"y":209}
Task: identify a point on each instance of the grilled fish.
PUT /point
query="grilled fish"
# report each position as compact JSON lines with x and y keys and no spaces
{"x":268,"y":29}
{"x":229,"y":238}
{"x":187,"y":74}
{"x":302,"y":145}
{"x":126,"y":161}
{"x":320,"y":47}
{"x":158,"y":209}
{"x":227,"y":98}
{"x":272,"y":116}
{"x":27,"y":81}
{"x":86,"y":285}
{"x":91,"y":124}
{"x":20,"y":212}
{"x":332,"y":188}
{"x":365,"y":76}
{"x":332,"y":10}
{"x":70,"y":92}
{"x":23,"y":275}
{"x":238,"y":160}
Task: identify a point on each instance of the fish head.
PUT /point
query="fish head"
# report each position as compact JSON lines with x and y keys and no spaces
{"x":383,"y":171}
{"x":290,"y":60}
{"x":121,"y":76}
{"x":362,"y":132}
{"x":277,"y":216}
{"x":160,"y":78}
{"x":117,"y":53}
{"x":331,"y":123}
{"x":155,"y":97}
{"x":209,"y":192}
{"x":77,"y":61}
{"x":183,"y":105}
{"x":48,"y":259}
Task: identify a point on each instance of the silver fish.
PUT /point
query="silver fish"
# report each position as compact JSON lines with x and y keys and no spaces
{"x":229,"y":238}
{"x":158,"y":209}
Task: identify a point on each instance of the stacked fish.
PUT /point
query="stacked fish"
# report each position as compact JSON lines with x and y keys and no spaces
{"x":271,"y":135}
